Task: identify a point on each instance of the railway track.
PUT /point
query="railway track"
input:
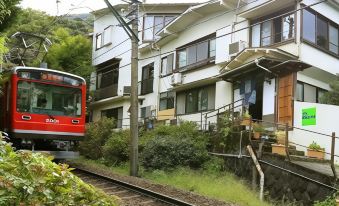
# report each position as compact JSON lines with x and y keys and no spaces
{"x":128,"y":193}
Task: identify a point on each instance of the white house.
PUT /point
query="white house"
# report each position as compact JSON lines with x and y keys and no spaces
{"x":200,"y":59}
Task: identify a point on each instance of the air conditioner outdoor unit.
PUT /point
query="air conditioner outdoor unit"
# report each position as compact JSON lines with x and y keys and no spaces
{"x":176,"y":79}
{"x":236,"y":47}
{"x":127,"y":90}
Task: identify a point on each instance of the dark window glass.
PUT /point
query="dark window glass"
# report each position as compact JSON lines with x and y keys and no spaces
{"x":192,"y":101}
{"x":147,"y":79}
{"x":107,"y":77}
{"x":277,"y":30}
{"x":166,"y":100}
{"x":322,"y":33}
{"x":115,"y":113}
{"x":308,"y":26}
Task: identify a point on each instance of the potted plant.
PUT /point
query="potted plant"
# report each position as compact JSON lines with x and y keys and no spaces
{"x":258,"y":130}
{"x":246,"y":119}
{"x":315,"y":151}
{"x":280,"y":137}
{"x":278,"y":149}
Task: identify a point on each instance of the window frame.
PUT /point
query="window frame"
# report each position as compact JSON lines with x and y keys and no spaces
{"x":114,"y":68}
{"x":196,"y":64}
{"x":271,"y":19}
{"x":329,"y":23}
{"x":96,"y":41}
{"x":174,"y":15}
{"x":166,"y":73}
{"x":118,"y":121}
{"x":318,"y":89}
{"x":146,"y":80}
{"x":196,"y":91}
{"x":167,"y":98}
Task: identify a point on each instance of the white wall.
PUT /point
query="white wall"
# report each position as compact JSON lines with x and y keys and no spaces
{"x":327,"y":117}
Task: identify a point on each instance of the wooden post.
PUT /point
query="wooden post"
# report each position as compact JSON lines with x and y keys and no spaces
{"x":332,"y":156}
{"x":250,"y":131}
{"x":286,"y":143}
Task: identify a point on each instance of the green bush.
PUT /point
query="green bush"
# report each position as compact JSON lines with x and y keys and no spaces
{"x":28,"y":178}
{"x":97,"y":133}
{"x":116,"y":150}
{"x":175,"y":146}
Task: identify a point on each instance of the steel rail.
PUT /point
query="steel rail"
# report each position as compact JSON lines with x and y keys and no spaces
{"x":137,"y":189}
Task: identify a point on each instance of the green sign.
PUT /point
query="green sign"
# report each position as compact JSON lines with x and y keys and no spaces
{"x":309,"y":116}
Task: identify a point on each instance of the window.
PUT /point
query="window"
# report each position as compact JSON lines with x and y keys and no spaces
{"x":309,"y":93}
{"x":107,"y":77}
{"x":166,"y":100}
{"x":38,"y":98}
{"x":197,"y":100}
{"x":115,"y":113}
{"x":333,"y":39}
{"x":308,"y":26}
{"x":274,"y":31}
{"x":104,"y":38}
{"x":147,"y":79}
{"x":167,"y":64}
{"x":98,"y":41}
{"x":153,"y":24}
{"x":320,"y":31}
{"x":200,"y":52}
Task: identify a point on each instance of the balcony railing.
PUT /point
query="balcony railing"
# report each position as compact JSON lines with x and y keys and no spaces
{"x":145,"y":86}
{"x":103,"y":93}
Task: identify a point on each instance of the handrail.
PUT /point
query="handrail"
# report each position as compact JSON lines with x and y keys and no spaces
{"x":223,"y":107}
{"x":293,"y":127}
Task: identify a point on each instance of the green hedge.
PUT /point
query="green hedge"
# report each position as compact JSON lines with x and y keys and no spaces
{"x":174,"y":146}
{"x":32,"y":179}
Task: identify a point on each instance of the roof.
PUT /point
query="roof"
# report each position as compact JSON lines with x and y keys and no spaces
{"x":275,"y":61}
{"x":144,"y":5}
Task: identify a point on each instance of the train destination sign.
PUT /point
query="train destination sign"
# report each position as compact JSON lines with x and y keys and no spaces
{"x":309,"y":116}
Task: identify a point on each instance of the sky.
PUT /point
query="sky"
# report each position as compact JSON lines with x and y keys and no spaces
{"x":79,"y":6}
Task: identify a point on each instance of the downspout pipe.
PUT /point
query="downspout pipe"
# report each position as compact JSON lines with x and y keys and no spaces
{"x":261,"y":173}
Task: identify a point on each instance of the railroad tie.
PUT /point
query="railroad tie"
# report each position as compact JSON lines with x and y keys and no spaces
{"x":117,"y":192}
{"x":130,"y":197}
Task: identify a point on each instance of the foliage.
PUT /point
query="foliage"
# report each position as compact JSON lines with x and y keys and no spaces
{"x":70,"y":53}
{"x":3,"y":49}
{"x":175,"y":146}
{"x":315,"y":146}
{"x":8,"y":11}
{"x":28,"y":178}
{"x":329,"y":201}
{"x":116,"y":150}
{"x":246,"y":115}
{"x":332,"y":96}
{"x":257,"y":127}
{"x":97,"y":133}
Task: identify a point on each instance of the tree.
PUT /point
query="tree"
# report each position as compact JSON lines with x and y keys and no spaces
{"x":8,"y":11}
{"x":332,"y":96}
{"x":70,"y":53}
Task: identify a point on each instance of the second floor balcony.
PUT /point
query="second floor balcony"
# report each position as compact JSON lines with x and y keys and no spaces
{"x":106,"y":92}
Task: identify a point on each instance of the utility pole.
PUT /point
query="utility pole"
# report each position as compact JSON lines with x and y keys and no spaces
{"x":133,"y":35}
{"x":134,"y":92}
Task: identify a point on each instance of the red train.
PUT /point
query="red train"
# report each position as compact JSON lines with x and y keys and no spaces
{"x":42,"y":108}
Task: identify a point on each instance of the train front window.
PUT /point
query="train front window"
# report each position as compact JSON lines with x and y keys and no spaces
{"x":48,"y":99}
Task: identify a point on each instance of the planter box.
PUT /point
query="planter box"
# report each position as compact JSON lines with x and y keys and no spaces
{"x":315,"y":154}
{"x":256,"y":135}
{"x":245,"y":122}
{"x":278,"y":149}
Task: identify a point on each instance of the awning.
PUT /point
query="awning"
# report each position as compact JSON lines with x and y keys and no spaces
{"x":275,"y":60}
{"x":195,"y":84}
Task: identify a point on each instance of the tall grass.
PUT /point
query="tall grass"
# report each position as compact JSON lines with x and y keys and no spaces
{"x":219,"y":185}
